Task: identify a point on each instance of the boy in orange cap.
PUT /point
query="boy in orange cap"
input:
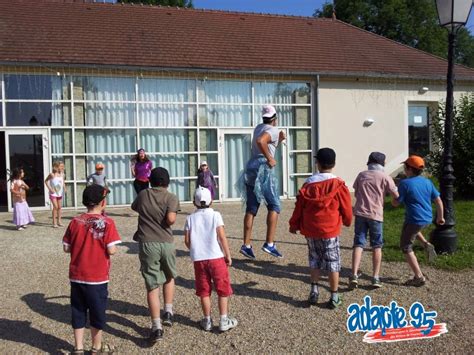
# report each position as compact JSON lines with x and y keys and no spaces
{"x":98,"y":178}
{"x":416,"y":193}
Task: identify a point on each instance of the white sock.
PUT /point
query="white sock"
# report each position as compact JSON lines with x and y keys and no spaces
{"x":208,"y":318}
{"x":156,"y":324}
{"x":169,"y":308}
{"x":270,"y":244}
{"x":223,"y":317}
{"x":248,"y":245}
{"x":314,"y":288}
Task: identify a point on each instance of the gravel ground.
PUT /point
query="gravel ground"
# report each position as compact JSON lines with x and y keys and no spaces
{"x":269,"y":301}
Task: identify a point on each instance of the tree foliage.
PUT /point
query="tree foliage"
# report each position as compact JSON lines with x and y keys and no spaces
{"x":463,"y":145}
{"x":411,"y":22}
{"x":173,"y":3}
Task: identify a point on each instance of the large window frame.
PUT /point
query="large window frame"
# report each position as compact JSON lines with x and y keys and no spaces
{"x":77,"y":181}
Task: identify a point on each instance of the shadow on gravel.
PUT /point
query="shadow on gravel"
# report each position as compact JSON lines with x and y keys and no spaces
{"x":47,"y":307}
{"x":22,"y":332}
{"x":247,"y":289}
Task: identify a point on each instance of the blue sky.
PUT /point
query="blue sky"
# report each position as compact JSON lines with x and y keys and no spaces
{"x":282,"y":7}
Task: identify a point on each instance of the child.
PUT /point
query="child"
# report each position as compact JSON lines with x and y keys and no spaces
{"x":90,"y":239}
{"x":205,"y":178}
{"x":416,"y":193}
{"x":204,"y":235}
{"x":21,"y":211}
{"x":98,"y":177}
{"x":55,"y":184}
{"x":157,"y":209}
{"x":322,"y":205}
{"x":370,"y":187}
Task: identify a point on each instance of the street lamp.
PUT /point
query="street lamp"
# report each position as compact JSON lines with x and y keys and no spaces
{"x":453,"y":14}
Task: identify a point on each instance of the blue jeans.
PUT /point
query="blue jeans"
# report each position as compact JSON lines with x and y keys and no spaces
{"x":364,"y":226}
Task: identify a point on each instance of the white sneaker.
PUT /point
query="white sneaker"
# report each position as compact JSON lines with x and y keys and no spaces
{"x":228,"y":323}
{"x":206,"y":324}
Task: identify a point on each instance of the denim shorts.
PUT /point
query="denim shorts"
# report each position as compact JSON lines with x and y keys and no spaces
{"x":253,"y":204}
{"x":364,"y":226}
{"x":324,"y":254}
{"x":92,"y":298}
{"x":258,"y":173}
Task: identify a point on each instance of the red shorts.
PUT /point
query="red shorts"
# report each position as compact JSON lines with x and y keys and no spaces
{"x":59,"y":198}
{"x":208,"y":272}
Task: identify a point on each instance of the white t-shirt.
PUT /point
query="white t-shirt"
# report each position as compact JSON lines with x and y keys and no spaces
{"x":202,"y":225}
{"x":274,"y":134}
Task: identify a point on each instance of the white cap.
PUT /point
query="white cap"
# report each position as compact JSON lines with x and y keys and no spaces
{"x":202,"y":195}
{"x":268,"y":111}
{"x":203,"y":163}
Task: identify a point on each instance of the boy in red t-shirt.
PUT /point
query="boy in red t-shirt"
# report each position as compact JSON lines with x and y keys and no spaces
{"x":90,"y":239}
{"x":323,"y":204}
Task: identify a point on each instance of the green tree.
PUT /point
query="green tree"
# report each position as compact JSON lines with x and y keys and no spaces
{"x":463,"y":145}
{"x":414,"y":23}
{"x":173,"y":3}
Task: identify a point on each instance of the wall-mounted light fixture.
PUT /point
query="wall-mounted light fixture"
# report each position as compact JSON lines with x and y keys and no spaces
{"x":368,"y":122}
{"x":423,"y":90}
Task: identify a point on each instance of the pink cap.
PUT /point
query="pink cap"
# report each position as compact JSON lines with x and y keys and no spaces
{"x":268,"y":111}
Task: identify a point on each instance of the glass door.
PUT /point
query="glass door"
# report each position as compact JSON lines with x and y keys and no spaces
{"x":28,"y":149}
{"x":234,"y":152}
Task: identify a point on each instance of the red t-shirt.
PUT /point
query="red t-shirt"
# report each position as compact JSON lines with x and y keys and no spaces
{"x":89,"y":236}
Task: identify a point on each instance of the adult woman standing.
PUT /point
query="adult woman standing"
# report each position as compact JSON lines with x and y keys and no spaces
{"x":141,"y":168}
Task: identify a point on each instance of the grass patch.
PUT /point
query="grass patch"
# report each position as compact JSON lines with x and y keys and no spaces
{"x":462,"y":259}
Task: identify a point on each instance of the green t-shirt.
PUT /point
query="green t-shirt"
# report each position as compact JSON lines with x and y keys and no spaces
{"x":152,"y":206}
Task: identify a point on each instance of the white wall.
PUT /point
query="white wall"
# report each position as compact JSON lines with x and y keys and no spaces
{"x":345,"y":105}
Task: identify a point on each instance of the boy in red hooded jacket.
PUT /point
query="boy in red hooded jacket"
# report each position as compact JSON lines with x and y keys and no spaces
{"x":322,"y":205}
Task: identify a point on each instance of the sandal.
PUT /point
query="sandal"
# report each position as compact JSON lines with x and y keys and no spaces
{"x":77,"y":351}
{"x":104,"y":349}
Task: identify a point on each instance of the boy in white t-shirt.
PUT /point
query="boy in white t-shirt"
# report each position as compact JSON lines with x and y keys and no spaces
{"x":204,"y":235}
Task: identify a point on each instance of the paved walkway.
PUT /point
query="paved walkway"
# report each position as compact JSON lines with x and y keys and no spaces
{"x":269,"y":301}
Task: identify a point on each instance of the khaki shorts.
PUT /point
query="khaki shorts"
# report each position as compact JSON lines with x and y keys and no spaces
{"x":157,"y":263}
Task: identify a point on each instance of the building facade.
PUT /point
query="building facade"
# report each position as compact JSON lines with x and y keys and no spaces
{"x":89,"y":82}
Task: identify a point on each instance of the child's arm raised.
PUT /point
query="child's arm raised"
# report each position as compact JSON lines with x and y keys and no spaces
{"x":224,"y":245}
{"x":439,"y":211}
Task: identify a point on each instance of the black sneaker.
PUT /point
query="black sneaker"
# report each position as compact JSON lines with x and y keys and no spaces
{"x":313,"y":298}
{"x":167,"y":319}
{"x":155,"y":336}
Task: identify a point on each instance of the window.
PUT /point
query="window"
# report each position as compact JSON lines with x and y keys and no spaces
{"x":418,"y":129}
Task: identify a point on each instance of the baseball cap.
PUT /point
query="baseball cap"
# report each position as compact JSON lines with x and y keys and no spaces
{"x":159,"y":177}
{"x":268,"y":111}
{"x":99,"y":166}
{"x":202,"y":196}
{"x":415,"y":162}
{"x":376,"y":158}
{"x":326,"y":156}
{"x":203,"y":163}
{"x":93,"y":195}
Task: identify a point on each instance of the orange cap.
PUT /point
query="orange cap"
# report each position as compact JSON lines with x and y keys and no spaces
{"x":99,"y":166}
{"x":415,"y":161}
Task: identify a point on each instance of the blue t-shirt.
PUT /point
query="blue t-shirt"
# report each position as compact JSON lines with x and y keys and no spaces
{"x":416,"y":193}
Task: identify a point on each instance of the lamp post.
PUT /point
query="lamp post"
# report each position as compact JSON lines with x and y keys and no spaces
{"x":452,"y":14}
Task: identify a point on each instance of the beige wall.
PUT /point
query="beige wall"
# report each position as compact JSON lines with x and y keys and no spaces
{"x":345,"y":105}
